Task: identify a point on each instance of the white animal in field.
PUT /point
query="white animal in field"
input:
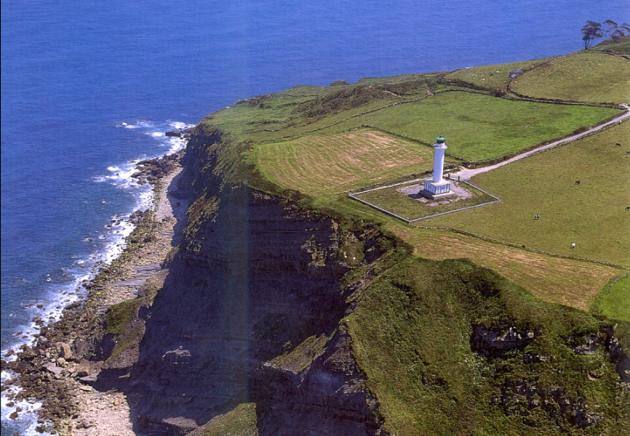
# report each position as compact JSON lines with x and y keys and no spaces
{"x":572,"y":244}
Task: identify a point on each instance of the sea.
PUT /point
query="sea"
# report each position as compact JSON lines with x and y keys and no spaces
{"x":89,"y":88}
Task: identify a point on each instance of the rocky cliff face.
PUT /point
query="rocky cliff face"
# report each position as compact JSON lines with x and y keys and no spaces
{"x":250,"y":312}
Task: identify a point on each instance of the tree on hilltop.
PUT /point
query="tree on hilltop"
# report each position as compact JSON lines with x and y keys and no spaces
{"x":616,"y":31}
{"x":591,"y":31}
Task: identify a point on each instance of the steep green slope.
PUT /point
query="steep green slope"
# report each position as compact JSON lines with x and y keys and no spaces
{"x":454,"y":349}
{"x":614,"y":300}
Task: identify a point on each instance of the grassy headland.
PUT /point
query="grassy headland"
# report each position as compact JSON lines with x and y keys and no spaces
{"x":418,"y":328}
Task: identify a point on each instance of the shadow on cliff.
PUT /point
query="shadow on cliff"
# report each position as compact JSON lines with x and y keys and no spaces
{"x":261,"y":281}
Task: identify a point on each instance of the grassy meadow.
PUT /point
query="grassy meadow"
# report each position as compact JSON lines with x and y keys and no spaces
{"x":592,"y":214}
{"x":553,"y":279}
{"x":502,"y":127}
{"x":590,"y":76}
{"x":479,"y":127}
{"x":494,"y":77}
{"x":621,"y":47}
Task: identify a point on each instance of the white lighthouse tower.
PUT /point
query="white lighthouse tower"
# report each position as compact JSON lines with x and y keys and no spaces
{"x":436,"y":186}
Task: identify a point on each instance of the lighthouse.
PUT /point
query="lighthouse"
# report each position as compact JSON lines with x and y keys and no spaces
{"x":436,"y":186}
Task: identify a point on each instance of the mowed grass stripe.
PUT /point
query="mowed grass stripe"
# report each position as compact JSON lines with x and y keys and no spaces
{"x":334,"y":164}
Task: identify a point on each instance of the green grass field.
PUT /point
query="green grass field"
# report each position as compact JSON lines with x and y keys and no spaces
{"x":479,"y":127}
{"x":402,"y":204}
{"x":614,"y":300}
{"x":588,"y":76}
{"x":592,"y":213}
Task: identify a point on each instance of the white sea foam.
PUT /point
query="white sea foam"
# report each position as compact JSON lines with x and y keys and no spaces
{"x":27,"y":418}
{"x":120,"y":176}
{"x":58,"y":296}
{"x":179,"y":125}
{"x":141,"y":124}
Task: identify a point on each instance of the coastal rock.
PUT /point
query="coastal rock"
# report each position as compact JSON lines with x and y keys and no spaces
{"x":64,"y":350}
{"x":493,"y":341}
{"x":81,"y":347}
{"x":54,"y":369}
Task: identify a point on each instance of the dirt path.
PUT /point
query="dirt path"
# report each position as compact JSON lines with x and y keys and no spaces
{"x":466,"y":173}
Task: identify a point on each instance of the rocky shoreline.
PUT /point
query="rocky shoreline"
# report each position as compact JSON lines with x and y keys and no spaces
{"x":66,"y":357}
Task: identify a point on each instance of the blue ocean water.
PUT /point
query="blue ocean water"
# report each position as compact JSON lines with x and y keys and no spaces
{"x":73,"y":72}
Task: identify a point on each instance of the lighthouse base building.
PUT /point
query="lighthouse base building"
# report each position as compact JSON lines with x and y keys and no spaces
{"x":436,"y":189}
{"x":436,"y":186}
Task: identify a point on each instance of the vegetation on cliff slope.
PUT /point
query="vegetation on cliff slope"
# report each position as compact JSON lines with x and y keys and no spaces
{"x":450,"y":346}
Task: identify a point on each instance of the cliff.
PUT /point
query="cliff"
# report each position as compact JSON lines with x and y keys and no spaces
{"x":249,"y":312}
{"x":277,"y":318}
